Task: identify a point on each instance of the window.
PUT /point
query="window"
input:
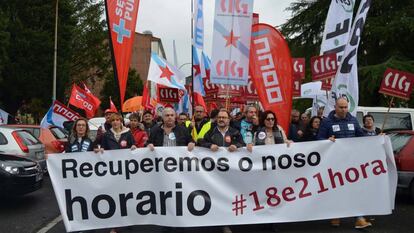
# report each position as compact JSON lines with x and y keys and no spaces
{"x":398,"y":141}
{"x":27,"y":138}
{"x":359,"y":116}
{"x":394,"y":120}
{"x":3,"y":140}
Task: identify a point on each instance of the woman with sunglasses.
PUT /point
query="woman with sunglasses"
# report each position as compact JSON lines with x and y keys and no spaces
{"x":269,"y":132}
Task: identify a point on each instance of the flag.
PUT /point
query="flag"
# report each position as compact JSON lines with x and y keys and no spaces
{"x":84,"y":100}
{"x":121,"y":17}
{"x":57,"y":114}
{"x":198,"y":86}
{"x":198,"y":23}
{"x":94,"y":98}
{"x":346,"y":78}
{"x":112,"y":106}
{"x":231,"y":42}
{"x":3,"y":117}
{"x":161,"y":72}
{"x":273,"y":82}
{"x":205,"y":66}
{"x":337,"y":26}
{"x":312,"y":89}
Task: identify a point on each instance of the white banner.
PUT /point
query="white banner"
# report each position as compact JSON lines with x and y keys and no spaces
{"x":345,"y":83}
{"x":312,"y":89}
{"x":231,"y":42}
{"x":174,"y":187}
{"x":3,"y":117}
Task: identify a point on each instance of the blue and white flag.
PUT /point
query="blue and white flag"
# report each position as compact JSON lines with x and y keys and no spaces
{"x":231,"y":42}
{"x":164,"y":73}
{"x":198,"y":22}
{"x":198,"y":80}
{"x":58,"y":114}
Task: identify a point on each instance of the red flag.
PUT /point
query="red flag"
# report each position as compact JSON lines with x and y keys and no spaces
{"x":272,"y":71}
{"x":121,"y":17}
{"x":198,"y":100}
{"x":146,"y":98}
{"x":95,"y":99}
{"x":112,"y":106}
{"x":84,"y":100}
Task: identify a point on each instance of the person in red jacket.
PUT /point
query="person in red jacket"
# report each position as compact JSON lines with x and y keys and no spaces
{"x":137,"y":130}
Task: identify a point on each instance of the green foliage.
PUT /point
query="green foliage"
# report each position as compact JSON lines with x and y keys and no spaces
{"x":134,"y":88}
{"x":386,"y":42}
{"x":27,"y":29}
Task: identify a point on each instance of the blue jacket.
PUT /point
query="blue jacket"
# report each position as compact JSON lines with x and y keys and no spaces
{"x":340,"y":128}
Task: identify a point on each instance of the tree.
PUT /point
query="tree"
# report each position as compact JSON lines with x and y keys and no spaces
{"x":111,"y":89}
{"x":386,"y":41}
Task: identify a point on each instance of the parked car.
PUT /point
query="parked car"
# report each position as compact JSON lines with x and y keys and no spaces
{"x":22,"y":143}
{"x":54,"y":138}
{"x":403,"y":147}
{"x":19,"y":175}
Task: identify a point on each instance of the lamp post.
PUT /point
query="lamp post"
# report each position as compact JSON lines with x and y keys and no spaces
{"x":55,"y":53}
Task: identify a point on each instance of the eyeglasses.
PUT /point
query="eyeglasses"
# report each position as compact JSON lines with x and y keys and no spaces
{"x":270,"y":119}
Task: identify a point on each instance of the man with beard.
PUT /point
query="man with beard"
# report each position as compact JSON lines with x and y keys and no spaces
{"x":201,"y":124}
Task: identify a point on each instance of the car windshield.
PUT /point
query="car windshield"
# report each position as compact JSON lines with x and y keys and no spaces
{"x":58,"y":133}
{"x":399,"y":140}
{"x":28,"y":138}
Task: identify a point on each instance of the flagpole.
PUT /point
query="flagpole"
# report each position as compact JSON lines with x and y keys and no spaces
{"x":55,"y":52}
{"x":192,"y":55}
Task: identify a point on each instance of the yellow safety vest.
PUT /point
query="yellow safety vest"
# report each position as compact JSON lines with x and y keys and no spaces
{"x":187,"y":123}
{"x":206,"y":127}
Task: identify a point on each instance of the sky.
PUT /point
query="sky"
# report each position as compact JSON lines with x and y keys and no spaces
{"x":171,"y":20}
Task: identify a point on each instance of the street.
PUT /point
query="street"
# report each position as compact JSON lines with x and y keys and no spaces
{"x":38,"y":213}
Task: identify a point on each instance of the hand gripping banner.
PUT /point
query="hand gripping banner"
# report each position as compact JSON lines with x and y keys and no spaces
{"x":272,"y":71}
{"x":121,"y":16}
{"x":173,"y":187}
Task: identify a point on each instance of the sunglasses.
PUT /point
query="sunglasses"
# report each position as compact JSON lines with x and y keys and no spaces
{"x":270,"y":119}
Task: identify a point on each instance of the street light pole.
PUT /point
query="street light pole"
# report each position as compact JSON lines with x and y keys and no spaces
{"x":55,"y":53}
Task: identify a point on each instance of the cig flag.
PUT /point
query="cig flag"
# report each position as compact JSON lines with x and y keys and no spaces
{"x":198,"y":23}
{"x":231,"y":42}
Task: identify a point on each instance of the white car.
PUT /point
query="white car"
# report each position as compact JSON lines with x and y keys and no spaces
{"x":23,"y":144}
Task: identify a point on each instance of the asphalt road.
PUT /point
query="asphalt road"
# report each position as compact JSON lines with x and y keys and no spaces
{"x":36,"y":212}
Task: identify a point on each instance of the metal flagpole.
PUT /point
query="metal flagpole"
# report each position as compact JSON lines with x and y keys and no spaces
{"x":55,"y":52}
{"x":192,"y":55}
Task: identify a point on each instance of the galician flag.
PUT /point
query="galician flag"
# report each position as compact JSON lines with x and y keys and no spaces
{"x":3,"y":117}
{"x":162,"y":72}
{"x":198,"y":79}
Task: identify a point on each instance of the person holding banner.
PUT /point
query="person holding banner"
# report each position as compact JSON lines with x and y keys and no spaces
{"x":137,"y":130}
{"x":201,"y":124}
{"x":269,"y":132}
{"x":369,"y":127}
{"x":222,"y":135}
{"x":118,"y":137}
{"x":341,"y":124}
{"x":169,"y":134}
{"x":79,"y":140}
{"x":249,"y":124}
{"x":148,"y":121}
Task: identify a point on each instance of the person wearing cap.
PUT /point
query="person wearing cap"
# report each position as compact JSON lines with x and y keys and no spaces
{"x":148,"y":121}
{"x":105,"y":127}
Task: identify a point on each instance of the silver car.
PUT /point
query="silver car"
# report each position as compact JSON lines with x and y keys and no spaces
{"x":22,"y":143}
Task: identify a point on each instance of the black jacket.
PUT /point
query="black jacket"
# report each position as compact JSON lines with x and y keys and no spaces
{"x":182,"y":136}
{"x":74,"y":146}
{"x":214,"y":136}
{"x":125,"y":141}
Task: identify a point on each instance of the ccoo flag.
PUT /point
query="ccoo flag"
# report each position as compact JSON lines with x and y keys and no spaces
{"x":161,"y":72}
{"x":121,"y":17}
{"x":57,"y":115}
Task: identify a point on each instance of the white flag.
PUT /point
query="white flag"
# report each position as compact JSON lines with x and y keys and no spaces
{"x":231,"y":42}
{"x":346,"y":79}
{"x":198,"y":23}
{"x":164,"y":73}
{"x":3,"y":117}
